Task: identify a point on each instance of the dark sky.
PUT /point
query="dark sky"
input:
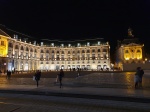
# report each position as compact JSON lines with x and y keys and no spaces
{"x":75,"y":19}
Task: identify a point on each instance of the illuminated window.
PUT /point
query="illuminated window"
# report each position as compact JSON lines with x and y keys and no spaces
{"x":88,"y":43}
{"x":126,"y":51}
{"x":99,"y":42}
{"x":78,"y":44}
{"x":52,"y":44}
{"x":138,"y":51}
{"x":2,"y":43}
{"x":41,"y":43}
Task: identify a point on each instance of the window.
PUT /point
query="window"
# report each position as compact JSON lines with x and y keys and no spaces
{"x":88,"y":51}
{"x":93,"y":50}
{"x":138,"y":51}
{"x":126,"y":51}
{"x":62,"y":52}
{"x":99,"y":42}
{"x":78,"y":44}
{"x":42,"y":51}
{"x":22,"y":48}
{"x":2,"y":43}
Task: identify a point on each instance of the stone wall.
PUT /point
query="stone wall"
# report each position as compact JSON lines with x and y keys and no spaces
{"x":133,"y":66}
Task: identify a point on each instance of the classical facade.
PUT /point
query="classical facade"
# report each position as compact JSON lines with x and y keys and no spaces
{"x":129,"y":50}
{"x":19,"y":54}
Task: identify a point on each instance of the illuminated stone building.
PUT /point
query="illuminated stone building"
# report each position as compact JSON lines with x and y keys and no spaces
{"x":130,"y":50}
{"x":22,"y":53}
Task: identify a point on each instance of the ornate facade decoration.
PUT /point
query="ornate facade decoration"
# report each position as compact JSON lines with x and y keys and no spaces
{"x":130,"y":50}
{"x":22,"y":55}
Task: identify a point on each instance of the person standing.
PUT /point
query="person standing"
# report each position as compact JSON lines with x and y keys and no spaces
{"x":136,"y":78}
{"x":141,"y":76}
{"x":60,"y":76}
{"x":37,"y":77}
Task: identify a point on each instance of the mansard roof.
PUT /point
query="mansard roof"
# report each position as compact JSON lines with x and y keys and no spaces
{"x":14,"y":34}
{"x":3,"y":33}
{"x":92,"y":41}
{"x":130,"y":40}
{"x":17,"y":35}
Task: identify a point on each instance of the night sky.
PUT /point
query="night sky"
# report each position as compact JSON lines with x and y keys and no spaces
{"x":78,"y":19}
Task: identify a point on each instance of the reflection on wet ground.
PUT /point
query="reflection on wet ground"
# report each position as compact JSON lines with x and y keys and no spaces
{"x":118,"y":80}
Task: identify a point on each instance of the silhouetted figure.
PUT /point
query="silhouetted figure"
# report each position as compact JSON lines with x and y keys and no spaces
{"x":141,"y":76}
{"x":60,"y":76}
{"x":136,"y":78}
{"x":8,"y":74}
{"x":37,"y":77}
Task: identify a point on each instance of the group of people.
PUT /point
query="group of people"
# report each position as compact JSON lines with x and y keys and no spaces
{"x":37,"y":77}
{"x":138,"y":77}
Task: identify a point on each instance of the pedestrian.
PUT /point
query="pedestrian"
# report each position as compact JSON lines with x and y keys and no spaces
{"x":37,"y":77}
{"x":8,"y":74}
{"x":60,"y":76}
{"x":141,"y":76}
{"x":136,"y":78}
{"x":78,"y":72}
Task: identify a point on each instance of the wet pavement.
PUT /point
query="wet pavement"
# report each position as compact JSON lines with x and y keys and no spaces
{"x":117,"y":87}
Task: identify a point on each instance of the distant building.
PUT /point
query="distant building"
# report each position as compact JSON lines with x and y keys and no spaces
{"x":129,"y":52}
{"x":21,"y":53}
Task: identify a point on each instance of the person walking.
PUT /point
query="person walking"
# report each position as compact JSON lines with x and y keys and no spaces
{"x":37,"y":77}
{"x":60,"y":76}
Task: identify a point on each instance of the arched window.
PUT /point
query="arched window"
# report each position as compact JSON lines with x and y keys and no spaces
{"x":16,"y":47}
{"x":88,"y":51}
{"x":57,"y":51}
{"x":22,"y":48}
{"x":27,"y":49}
{"x":10,"y":45}
{"x":35,"y":50}
{"x":31,"y":50}
{"x":83,"y":51}
{"x":78,"y":52}
{"x":99,"y":50}
{"x":52,"y":51}
{"x":126,"y":51}
{"x":68,"y":52}
{"x":42,"y":51}
{"x":62,"y":52}
{"x":93,"y":50}
{"x":138,"y":51}
{"x":47,"y":51}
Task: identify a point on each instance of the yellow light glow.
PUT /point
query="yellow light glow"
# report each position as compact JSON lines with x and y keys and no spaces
{"x":126,"y":58}
{"x":3,"y":46}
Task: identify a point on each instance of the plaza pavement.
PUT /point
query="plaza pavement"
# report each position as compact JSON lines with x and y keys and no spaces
{"x":81,"y":87}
